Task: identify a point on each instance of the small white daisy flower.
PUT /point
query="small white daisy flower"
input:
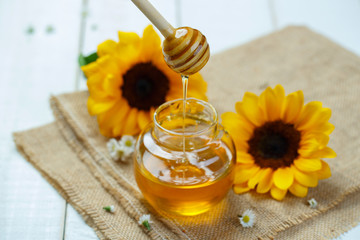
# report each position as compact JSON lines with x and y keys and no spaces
{"x":247,"y":219}
{"x":128,"y":142}
{"x":117,"y":151}
{"x":125,"y":154}
{"x":145,"y":221}
{"x":113,"y":147}
{"x":313,"y":203}
{"x":109,"y":208}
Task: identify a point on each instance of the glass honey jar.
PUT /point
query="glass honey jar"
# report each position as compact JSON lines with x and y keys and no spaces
{"x":184,"y":162}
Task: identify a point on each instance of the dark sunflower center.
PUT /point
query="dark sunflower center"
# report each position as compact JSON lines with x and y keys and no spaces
{"x":145,"y":86}
{"x":274,"y":144}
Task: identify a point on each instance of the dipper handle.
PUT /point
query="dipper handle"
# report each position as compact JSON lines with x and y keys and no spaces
{"x":155,"y":17}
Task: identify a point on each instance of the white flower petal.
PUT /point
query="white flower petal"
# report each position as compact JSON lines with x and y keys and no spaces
{"x":313,"y":203}
{"x":127,"y":141}
{"x":112,"y":208}
{"x":247,"y":219}
{"x":143,"y":218}
{"x":113,"y":147}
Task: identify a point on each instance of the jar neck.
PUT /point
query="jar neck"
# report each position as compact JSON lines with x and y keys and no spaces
{"x":197,"y":128}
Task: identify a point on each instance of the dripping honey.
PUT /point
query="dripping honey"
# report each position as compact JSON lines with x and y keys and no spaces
{"x":184,"y":162}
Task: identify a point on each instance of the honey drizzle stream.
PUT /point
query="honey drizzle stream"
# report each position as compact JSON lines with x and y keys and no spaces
{"x":185,"y":86}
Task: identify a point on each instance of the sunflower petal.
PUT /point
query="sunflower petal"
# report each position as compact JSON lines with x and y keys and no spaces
{"x":244,"y":158}
{"x":236,"y":127}
{"x":96,"y":107}
{"x":240,"y":134}
{"x":150,"y":44}
{"x":298,"y":190}
{"x":127,"y":38}
{"x":113,"y":120}
{"x":320,"y":118}
{"x":97,"y":94}
{"x":143,"y":119}
{"x":308,"y":111}
{"x":115,"y":114}
{"x":293,"y":104}
{"x":197,"y":83}
{"x":305,"y":179}
{"x":90,"y":69}
{"x":325,"y":128}
{"x":244,"y":174}
{"x":111,"y":86}
{"x":283,"y":178}
{"x":94,"y":79}
{"x":313,"y":116}
{"x":325,"y":152}
{"x":256,"y":178}
{"x":308,"y":148}
{"x":271,"y":101}
{"x":249,"y":109}
{"x":108,"y":65}
{"x":265,"y":182}
{"x":320,"y":137}
{"x":277,"y":193}
{"x":241,"y":188}
{"x":325,"y":171}
{"x":107,"y":47}
{"x":308,"y":165}
{"x":131,"y":125}
{"x":127,"y":50}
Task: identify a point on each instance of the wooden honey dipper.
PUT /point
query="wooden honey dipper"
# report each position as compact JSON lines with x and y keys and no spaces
{"x":185,"y":49}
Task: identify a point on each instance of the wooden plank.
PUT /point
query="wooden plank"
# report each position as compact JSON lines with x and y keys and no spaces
{"x":227,"y":23}
{"x":76,"y":227}
{"x":351,"y":235}
{"x":38,"y":49}
{"x":338,"y":20}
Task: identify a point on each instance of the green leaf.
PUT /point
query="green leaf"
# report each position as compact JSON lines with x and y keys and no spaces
{"x":82,"y":60}
{"x":107,"y":208}
{"x":85,"y":60}
{"x":147,"y":225}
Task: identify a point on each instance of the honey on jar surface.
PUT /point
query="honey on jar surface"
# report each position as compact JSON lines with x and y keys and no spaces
{"x":188,"y":187}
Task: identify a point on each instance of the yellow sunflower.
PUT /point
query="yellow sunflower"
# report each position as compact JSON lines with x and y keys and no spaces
{"x":129,"y":80}
{"x":279,"y":142}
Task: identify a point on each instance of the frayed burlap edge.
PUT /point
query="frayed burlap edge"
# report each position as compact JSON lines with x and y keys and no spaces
{"x":303,"y":218}
{"x":323,"y":227}
{"x":135,"y":206}
{"x":66,"y":192}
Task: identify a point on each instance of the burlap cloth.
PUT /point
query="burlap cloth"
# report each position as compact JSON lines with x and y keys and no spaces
{"x":71,"y":154}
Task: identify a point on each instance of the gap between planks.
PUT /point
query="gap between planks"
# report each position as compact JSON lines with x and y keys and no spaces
{"x":84,"y":13}
{"x":63,"y":230}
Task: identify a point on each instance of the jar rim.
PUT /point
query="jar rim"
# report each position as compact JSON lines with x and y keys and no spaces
{"x":214,"y":117}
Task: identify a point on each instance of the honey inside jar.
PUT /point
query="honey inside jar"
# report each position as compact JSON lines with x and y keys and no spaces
{"x":168,"y":182}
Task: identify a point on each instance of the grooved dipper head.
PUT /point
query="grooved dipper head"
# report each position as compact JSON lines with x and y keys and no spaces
{"x":186,"y":51}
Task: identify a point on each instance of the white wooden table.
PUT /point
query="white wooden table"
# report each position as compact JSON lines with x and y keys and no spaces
{"x":40,"y":41}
